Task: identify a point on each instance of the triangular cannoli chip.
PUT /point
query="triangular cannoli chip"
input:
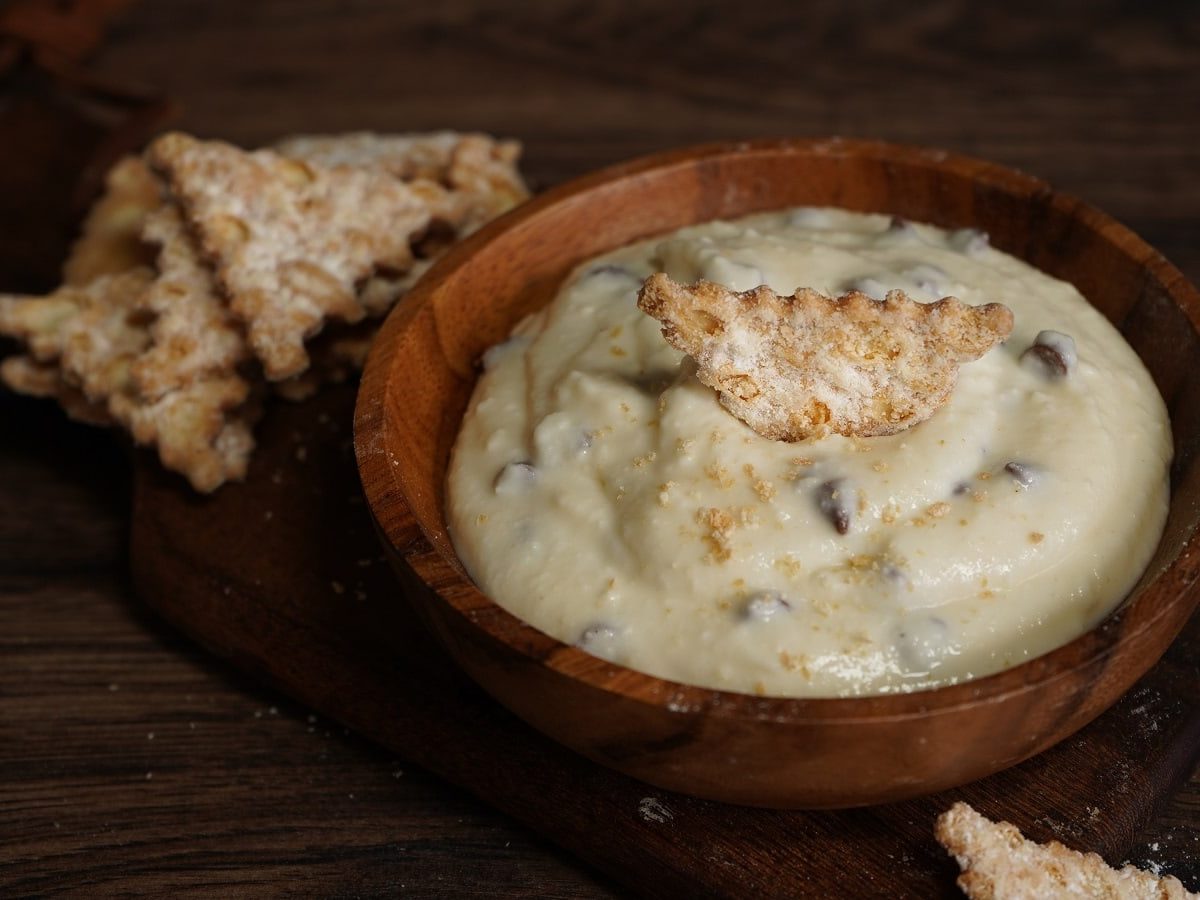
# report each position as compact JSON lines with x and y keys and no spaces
{"x":290,"y":240}
{"x":807,"y":365}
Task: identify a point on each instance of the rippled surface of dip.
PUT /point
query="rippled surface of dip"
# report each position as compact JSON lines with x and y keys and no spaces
{"x":598,"y":491}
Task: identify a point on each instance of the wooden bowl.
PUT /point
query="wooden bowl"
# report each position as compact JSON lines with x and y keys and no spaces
{"x":735,"y":747}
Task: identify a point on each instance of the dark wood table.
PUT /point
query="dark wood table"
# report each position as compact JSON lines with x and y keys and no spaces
{"x":132,"y":762}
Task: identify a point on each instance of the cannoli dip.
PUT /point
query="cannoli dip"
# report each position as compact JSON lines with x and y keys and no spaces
{"x":599,"y":491}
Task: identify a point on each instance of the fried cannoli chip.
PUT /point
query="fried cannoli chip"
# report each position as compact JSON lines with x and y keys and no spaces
{"x":191,"y":400}
{"x":101,"y":341}
{"x":474,"y":163}
{"x":338,"y":354}
{"x":405,"y":156}
{"x":25,"y":375}
{"x":194,"y":334}
{"x":477,"y":166}
{"x":99,"y":345}
{"x":487,"y":171}
{"x":808,"y":365}
{"x":253,"y":252}
{"x":92,"y":332}
{"x":202,"y":430}
{"x":999,"y":864}
{"x":381,"y":292}
{"x":37,"y":322}
{"x":96,"y":330}
{"x":111,"y":238}
{"x":290,"y":241}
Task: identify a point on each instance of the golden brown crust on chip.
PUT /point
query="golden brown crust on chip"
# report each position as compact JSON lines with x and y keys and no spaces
{"x":202,"y":430}
{"x":404,"y":156}
{"x":381,"y":292}
{"x":477,"y":164}
{"x":37,"y":322}
{"x":486,"y":172}
{"x":998,"y":863}
{"x":97,"y":347}
{"x":194,"y":333}
{"x":191,"y":398}
{"x":290,"y":241}
{"x":808,"y":365}
{"x":26,"y":375}
{"x":92,"y":332}
{"x":338,"y":354}
{"x":110,"y":241}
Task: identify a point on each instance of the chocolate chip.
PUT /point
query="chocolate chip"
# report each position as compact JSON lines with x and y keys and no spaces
{"x":1023,"y":474}
{"x":922,"y":642}
{"x":601,"y":640}
{"x":831,"y":500}
{"x":928,"y":277}
{"x":515,"y":477}
{"x":961,"y":488}
{"x":969,"y":241}
{"x":612,"y":270}
{"x":737,"y":276}
{"x":764,"y":606}
{"x":894,"y":573}
{"x":597,"y":632}
{"x":1052,"y":354}
{"x":652,"y":383}
{"x":872,"y":287}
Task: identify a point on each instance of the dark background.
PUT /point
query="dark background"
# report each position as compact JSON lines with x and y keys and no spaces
{"x":131,"y":761}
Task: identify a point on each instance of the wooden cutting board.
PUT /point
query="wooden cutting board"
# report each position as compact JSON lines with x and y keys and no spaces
{"x":283,"y":576}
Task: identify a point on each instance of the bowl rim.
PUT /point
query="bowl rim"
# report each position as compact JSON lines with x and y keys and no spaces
{"x":426,"y":556}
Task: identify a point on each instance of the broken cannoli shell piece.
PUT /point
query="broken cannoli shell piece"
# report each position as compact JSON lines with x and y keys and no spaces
{"x":809,"y":365}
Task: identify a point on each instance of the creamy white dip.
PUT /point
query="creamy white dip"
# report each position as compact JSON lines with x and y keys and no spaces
{"x":598,"y":491}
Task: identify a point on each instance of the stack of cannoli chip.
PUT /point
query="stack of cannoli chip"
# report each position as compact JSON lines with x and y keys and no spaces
{"x":207,"y":277}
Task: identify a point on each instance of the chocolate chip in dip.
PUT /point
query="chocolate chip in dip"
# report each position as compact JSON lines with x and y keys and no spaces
{"x":1024,"y":474}
{"x":833,"y":500}
{"x":601,"y":639}
{"x":1052,"y":354}
{"x":516,"y":476}
{"x":765,"y":606}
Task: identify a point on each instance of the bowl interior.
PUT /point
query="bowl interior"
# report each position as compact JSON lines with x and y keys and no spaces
{"x":473,"y":298}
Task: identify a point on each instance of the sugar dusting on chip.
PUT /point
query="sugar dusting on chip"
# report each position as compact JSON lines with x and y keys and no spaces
{"x":481,"y":167}
{"x":191,"y":399}
{"x":290,"y":240}
{"x":194,"y":332}
{"x":106,"y":357}
{"x":110,"y":241}
{"x":92,"y":333}
{"x":809,"y":365}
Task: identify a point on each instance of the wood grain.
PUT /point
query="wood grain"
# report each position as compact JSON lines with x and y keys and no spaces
{"x":1094,"y":97}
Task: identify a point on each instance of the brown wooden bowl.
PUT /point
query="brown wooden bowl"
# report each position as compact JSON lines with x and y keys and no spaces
{"x":735,"y":747}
